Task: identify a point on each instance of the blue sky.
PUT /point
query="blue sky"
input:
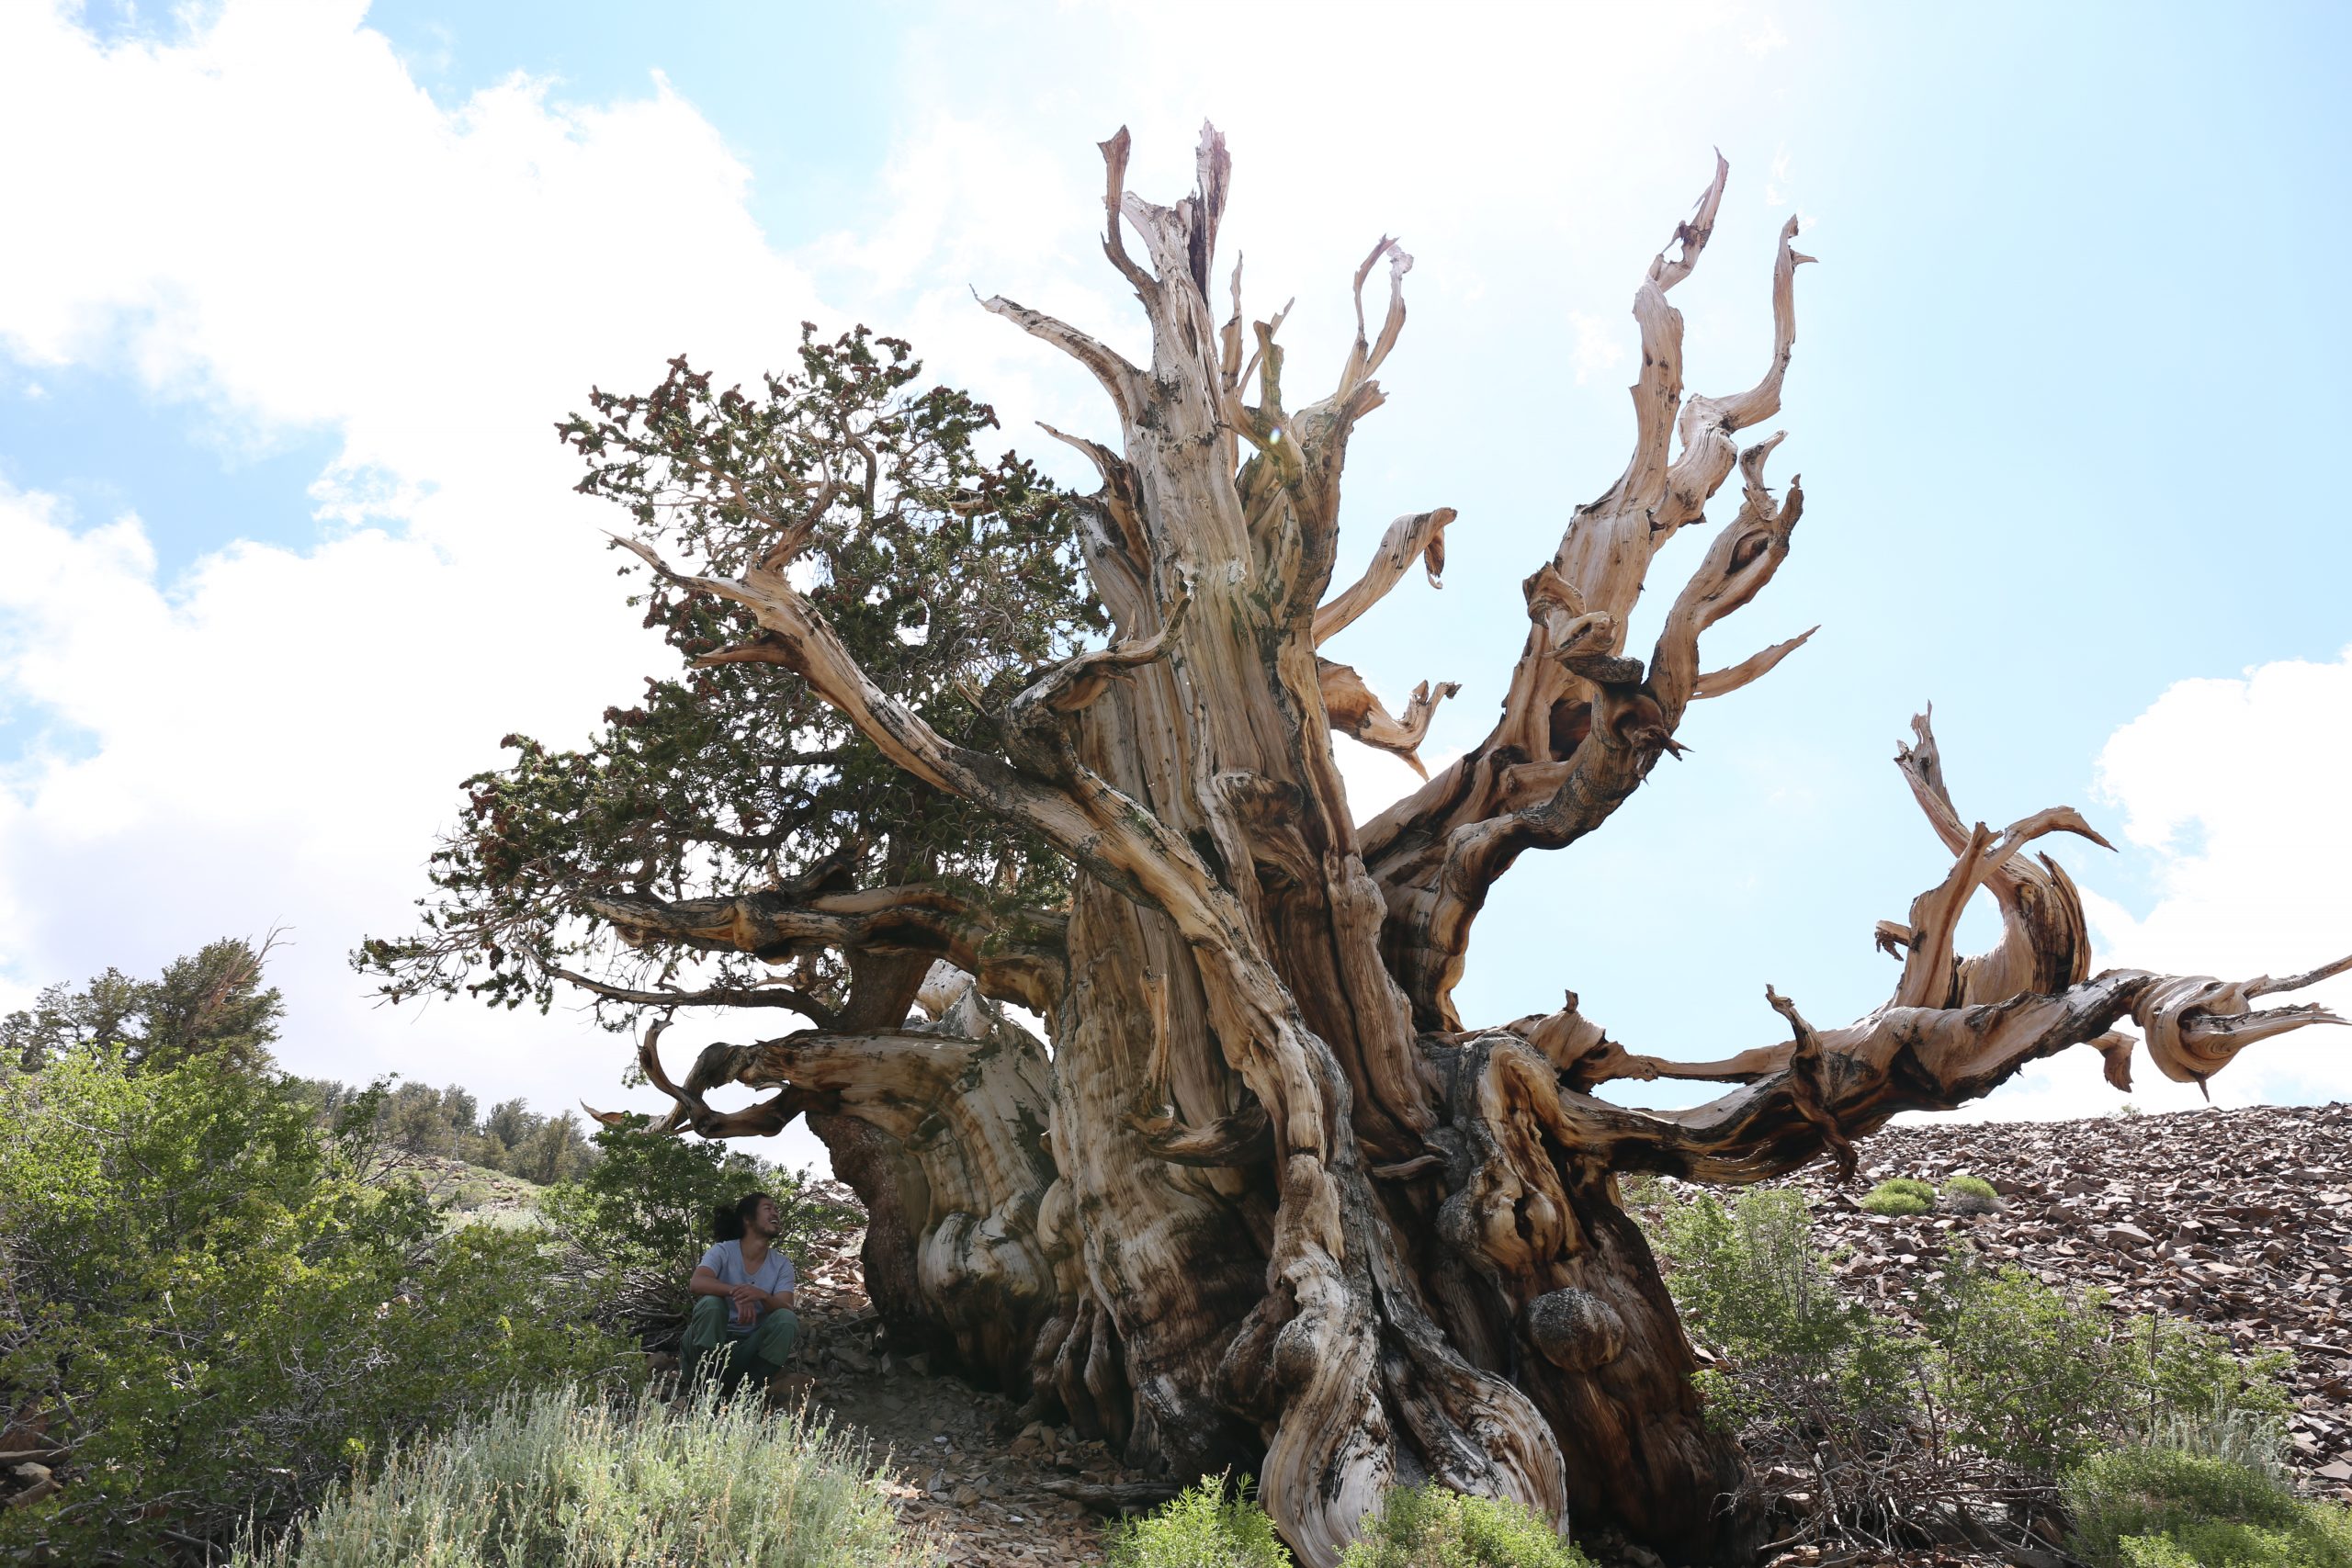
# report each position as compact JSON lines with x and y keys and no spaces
{"x":293,"y":548}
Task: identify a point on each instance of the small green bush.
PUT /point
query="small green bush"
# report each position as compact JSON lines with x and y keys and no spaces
{"x":559,"y":1476}
{"x":1431,"y":1527}
{"x":2007,"y":1370}
{"x":2176,"y":1372}
{"x":2023,"y":1371}
{"x":1203,"y":1526}
{"x":1965,"y":1186}
{"x":1899,"y":1195}
{"x":2165,"y":1505}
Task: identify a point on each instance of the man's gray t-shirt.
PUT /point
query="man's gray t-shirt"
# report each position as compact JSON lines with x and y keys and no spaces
{"x":726,"y":1260}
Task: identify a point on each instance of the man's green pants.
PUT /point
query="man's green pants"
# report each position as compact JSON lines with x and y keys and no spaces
{"x":756,"y":1357}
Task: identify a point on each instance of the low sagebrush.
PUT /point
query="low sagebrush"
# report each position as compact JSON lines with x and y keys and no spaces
{"x":563,"y":1476}
{"x":2201,"y":1493}
{"x":1966,"y":1194}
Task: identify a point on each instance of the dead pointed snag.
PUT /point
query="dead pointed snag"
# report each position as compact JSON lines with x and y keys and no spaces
{"x":1437,"y":853}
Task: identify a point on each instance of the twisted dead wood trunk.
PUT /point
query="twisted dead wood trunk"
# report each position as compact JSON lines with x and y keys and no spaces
{"x":1268,"y":1201}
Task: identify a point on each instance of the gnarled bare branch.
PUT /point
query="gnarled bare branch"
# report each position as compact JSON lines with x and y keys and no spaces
{"x":1754,"y":668}
{"x":1355,"y":712}
{"x":1417,"y":536}
{"x":1076,"y":683}
{"x":1017,"y":955}
{"x":2045,"y":942}
{"x":1581,"y":722}
{"x":1708,"y":424}
{"x":1110,"y":368}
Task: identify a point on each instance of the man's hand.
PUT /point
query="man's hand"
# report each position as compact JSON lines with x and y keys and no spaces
{"x":747,"y":1297}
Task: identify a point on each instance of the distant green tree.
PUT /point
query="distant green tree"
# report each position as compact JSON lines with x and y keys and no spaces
{"x":556,"y":1150}
{"x":509,"y":1122}
{"x":417,"y":1119}
{"x":212,"y":1005}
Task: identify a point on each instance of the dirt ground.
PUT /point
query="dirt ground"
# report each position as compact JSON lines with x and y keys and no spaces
{"x":965,"y":1465}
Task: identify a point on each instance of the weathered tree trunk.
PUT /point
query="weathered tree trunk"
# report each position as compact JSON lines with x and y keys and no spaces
{"x":1269,"y":1204}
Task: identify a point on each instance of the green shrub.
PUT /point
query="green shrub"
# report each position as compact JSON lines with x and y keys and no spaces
{"x":1899,"y":1195}
{"x":2043,"y":1378}
{"x":220,"y":1305}
{"x":2176,"y":1372}
{"x":1749,"y":1275}
{"x":640,"y":1216}
{"x":1203,"y":1527}
{"x":2164,"y":1503}
{"x":2024,"y":1371}
{"x":1431,"y":1527}
{"x":1750,"y":1278}
{"x":558,"y":1476}
{"x":2010,"y":1370}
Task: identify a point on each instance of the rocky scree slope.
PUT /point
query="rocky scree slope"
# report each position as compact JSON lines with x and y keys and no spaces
{"x":2239,"y":1220}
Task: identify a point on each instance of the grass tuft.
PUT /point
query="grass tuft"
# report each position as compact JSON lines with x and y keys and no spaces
{"x":1899,"y":1195}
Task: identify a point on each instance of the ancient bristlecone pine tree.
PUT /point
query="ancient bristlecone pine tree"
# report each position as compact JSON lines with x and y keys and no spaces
{"x":1266,"y":1200}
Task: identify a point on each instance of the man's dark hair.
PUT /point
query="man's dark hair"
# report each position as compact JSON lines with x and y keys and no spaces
{"x":727,"y":1223}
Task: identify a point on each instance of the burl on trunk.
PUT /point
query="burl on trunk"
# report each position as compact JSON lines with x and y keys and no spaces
{"x":1268,"y":1202}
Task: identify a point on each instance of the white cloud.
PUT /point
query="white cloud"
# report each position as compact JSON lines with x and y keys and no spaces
{"x":2236,"y":791}
{"x":271,"y":221}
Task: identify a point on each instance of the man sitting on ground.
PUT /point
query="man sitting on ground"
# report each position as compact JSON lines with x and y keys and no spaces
{"x":742,"y":1310}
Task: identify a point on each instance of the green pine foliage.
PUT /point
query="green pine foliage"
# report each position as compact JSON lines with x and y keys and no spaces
{"x":218,"y":1305}
{"x":1431,"y":1527}
{"x":560,"y":1476}
{"x":211,"y":1005}
{"x":1209,"y":1525}
{"x":954,"y":579}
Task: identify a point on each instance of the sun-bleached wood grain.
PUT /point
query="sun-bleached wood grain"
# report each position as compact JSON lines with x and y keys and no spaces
{"x":1268,"y":1203}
